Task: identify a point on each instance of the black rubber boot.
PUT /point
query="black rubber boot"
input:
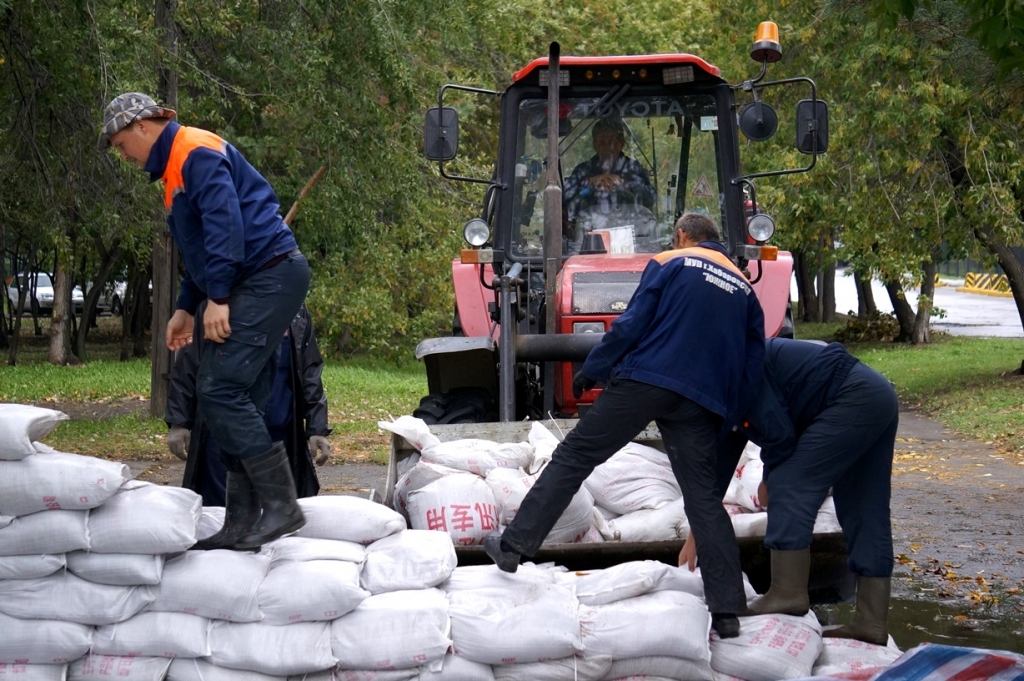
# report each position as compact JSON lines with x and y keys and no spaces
{"x":506,"y":559}
{"x":870,"y":621}
{"x":271,"y":477}
{"x":240,"y":513}
{"x":788,"y":593}
{"x":726,"y":624}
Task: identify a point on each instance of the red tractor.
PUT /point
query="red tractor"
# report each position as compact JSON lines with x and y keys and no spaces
{"x":556,"y":254}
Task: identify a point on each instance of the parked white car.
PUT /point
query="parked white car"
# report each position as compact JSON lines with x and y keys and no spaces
{"x":42,"y":302}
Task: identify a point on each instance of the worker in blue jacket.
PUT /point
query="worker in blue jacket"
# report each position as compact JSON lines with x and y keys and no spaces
{"x":686,"y":349}
{"x":240,"y":257}
{"x":824,"y":421}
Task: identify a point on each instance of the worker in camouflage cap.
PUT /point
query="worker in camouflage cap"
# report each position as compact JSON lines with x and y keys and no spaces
{"x":125,"y":109}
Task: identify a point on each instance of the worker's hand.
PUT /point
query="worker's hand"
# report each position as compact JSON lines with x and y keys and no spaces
{"x":688,"y":554}
{"x":581,"y":383}
{"x":215,"y":322}
{"x":762,"y":494}
{"x":605,"y":181}
{"x":319,"y":445}
{"x":178,"y":440}
{"x":179,"y":330}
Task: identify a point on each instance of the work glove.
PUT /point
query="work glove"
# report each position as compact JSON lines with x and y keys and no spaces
{"x":581,"y":383}
{"x":319,"y":445}
{"x":178,"y":440}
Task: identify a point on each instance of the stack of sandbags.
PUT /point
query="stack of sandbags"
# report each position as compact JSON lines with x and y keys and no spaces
{"x":471,"y":487}
{"x":631,"y":497}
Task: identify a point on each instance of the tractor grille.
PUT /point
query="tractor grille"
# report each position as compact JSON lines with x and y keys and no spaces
{"x":603,"y":292}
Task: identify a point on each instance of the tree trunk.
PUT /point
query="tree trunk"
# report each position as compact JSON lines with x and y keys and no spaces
{"x":164,"y":266}
{"x":1010,"y":263}
{"x":60,"y":323}
{"x":922,"y":321}
{"x":828,"y":293}
{"x":808,"y":297}
{"x":903,"y":311}
{"x":92,"y":297}
{"x":865,"y":296}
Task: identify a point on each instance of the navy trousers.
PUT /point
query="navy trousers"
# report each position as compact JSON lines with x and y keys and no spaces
{"x":235,"y":377}
{"x":688,"y":430}
{"x":848,"y":448}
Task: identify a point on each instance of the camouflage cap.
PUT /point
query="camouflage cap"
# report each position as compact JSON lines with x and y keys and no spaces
{"x":125,"y":109}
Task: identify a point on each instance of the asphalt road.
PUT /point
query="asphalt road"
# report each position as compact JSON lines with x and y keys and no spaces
{"x":966,"y":314}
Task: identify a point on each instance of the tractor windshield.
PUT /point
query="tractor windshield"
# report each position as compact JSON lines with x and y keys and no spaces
{"x":629,"y":166}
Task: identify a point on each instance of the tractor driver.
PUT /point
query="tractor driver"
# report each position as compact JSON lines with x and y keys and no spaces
{"x":608,"y":179}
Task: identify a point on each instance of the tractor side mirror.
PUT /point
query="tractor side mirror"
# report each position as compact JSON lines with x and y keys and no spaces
{"x":812,"y":126}
{"x":441,"y":134}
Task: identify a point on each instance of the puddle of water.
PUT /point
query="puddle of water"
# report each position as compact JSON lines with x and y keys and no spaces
{"x":912,"y":623}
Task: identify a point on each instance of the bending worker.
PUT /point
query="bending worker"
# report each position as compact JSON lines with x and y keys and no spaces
{"x":241,"y":258}
{"x":823,"y":421}
{"x":688,"y":346}
{"x":295,"y":414}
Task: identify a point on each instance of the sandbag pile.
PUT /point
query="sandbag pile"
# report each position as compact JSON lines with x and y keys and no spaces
{"x":470,"y":487}
{"x":96,"y":583}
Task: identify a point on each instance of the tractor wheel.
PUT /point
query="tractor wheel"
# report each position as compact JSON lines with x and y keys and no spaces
{"x":788,"y":329}
{"x":115,"y":307}
{"x":462,"y":405}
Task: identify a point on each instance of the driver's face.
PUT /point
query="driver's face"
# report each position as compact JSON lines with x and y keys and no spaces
{"x":608,"y":144}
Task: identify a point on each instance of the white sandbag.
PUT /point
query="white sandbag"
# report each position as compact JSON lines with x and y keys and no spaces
{"x":25,"y":641}
{"x":30,"y":567}
{"x":111,"y":667}
{"x":53,"y":481}
{"x":310,"y":591}
{"x":62,"y":596}
{"x":221,"y":585}
{"x":518,"y":621}
{"x":461,"y":505}
{"x":118,"y":569}
{"x":455,"y":668}
{"x":681,"y":579}
{"x":201,"y":670}
{"x":626,"y":580}
{"x":646,"y":677}
{"x":479,"y":456}
{"x":34,"y":672}
{"x":660,"y":666}
{"x":742,"y":489}
{"x":769,"y":647}
{"x":367,"y":675}
{"x":752,"y":524}
{"x":623,"y":629}
{"x":414,"y":430}
{"x":396,"y":630}
{"x":416,"y":478}
{"x":279,"y":651}
{"x":593,"y":536}
{"x":661,"y":524}
{"x":413,"y":559}
{"x":299,"y":549}
{"x":145,"y":518}
{"x":470,"y":577}
{"x":575,"y":668}
{"x":404,"y":465}
{"x":826,"y":521}
{"x":23,"y":424}
{"x":49,"y":532}
{"x":348,"y":519}
{"x":6,"y":520}
{"x":510,"y":487}
{"x":210,"y":522}
{"x":844,"y":655}
{"x":155,"y":634}
{"x":636,"y":477}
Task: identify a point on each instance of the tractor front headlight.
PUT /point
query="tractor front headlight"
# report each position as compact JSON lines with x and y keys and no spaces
{"x":476,"y":232}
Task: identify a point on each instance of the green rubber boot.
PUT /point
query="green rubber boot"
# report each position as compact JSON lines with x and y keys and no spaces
{"x":870,"y":621}
{"x":788,"y":592}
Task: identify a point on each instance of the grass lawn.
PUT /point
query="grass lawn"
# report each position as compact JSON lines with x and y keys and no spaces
{"x":969,"y":384}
